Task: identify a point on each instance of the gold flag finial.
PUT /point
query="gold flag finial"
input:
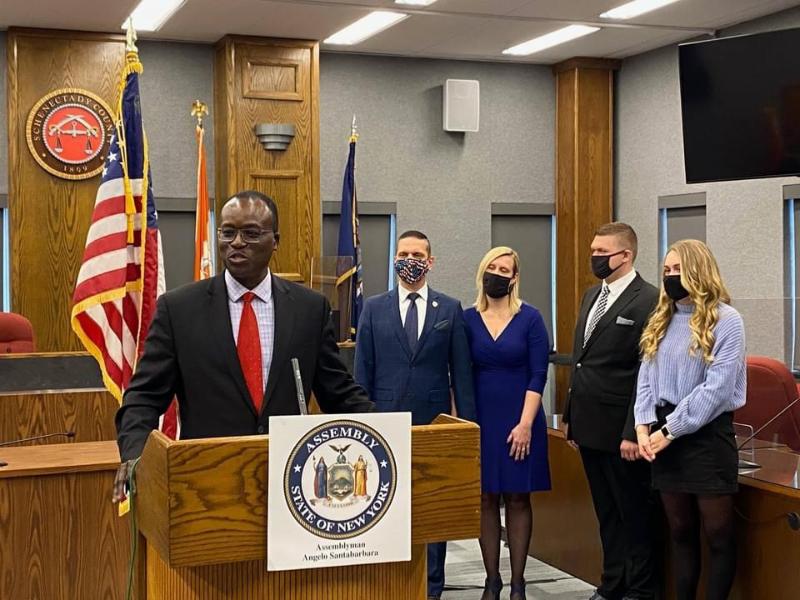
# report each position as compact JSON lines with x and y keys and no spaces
{"x":130,"y":37}
{"x":354,"y":130}
{"x":198,"y":110}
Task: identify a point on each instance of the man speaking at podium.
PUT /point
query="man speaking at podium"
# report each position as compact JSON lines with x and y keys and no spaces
{"x":223,"y":345}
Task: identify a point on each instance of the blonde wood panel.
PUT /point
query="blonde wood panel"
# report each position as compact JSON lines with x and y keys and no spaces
{"x":25,"y":461}
{"x":250,"y":579}
{"x":275,"y":79}
{"x":213,"y":509}
{"x":259,"y":80}
{"x":89,"y":413}
{"x":59,"y":533}
{"x":584,"y":185}
{"x":50,"y":216}
{"x":769,"y":551}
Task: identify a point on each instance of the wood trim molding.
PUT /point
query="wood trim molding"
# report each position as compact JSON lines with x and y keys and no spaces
{"x":587,"y":62}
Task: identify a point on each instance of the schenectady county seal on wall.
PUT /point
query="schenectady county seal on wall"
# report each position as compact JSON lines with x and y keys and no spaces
{"x":68,"y":131}
{"x":340,"y":479}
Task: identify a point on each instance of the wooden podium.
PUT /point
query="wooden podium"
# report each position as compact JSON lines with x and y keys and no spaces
{"x":202,"y":515}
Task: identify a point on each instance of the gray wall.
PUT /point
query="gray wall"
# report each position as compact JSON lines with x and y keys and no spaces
{"x":744,"y":219}
{"x":174,"y":76}
{"x":443,"y":183}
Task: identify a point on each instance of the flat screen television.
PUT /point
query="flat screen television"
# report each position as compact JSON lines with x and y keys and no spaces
{"x":740,"y":105}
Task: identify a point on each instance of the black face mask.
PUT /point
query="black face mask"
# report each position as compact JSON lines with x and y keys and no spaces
{"x":600,"y":266}
{"x":496,"y":286}
{"x":674,"y":287}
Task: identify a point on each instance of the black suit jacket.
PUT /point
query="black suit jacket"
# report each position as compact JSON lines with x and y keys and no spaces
{"x":190,"y":352}
{"x":603,"y":383}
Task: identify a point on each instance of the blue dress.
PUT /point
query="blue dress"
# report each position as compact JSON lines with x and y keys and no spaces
{"x":504,"y":369}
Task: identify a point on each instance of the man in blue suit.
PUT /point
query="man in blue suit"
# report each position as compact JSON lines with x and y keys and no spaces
{"x":411,"y":351}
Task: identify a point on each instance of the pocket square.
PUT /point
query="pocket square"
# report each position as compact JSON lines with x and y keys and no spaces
{"x":624,"y":321}
{"x":442,"y":325}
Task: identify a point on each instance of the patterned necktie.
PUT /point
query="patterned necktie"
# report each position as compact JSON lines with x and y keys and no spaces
{"x":598,"y":314}
{"x":248,"y":347}
{"x":412,"y":321}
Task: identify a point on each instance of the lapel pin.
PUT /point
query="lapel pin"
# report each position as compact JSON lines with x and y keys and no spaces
{"x":434,"y":304}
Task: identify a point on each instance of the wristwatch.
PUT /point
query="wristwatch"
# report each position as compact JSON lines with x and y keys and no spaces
{"x":666,"y":433}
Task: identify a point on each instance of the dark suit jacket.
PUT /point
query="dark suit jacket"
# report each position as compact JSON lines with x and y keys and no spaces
{"x":603,"y":383}
{"x":190,"y":352}
{"x":399,"y":380}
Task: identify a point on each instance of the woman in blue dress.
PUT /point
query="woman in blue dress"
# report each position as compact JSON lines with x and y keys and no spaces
{"x":509,"y":346}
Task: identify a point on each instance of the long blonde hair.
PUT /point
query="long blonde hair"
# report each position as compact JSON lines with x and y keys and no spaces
{"x":701,"y":278}
{"x":514,"y":302}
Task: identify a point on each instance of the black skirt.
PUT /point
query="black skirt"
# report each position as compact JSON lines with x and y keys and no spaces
{"x":703,"y":462}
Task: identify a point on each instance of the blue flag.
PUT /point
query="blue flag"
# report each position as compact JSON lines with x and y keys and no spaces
{"x":349,"y":244}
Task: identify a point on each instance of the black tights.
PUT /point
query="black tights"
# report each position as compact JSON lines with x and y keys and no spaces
{"x":684,"y":513}
{"x":518,"y":528}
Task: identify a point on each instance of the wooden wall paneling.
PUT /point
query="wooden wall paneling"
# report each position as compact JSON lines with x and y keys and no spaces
{"x":584,"y":186}
{"x":50,"y":216}
{"x":768,"y":549}
{"x":60,"y":536}
{"x":565,"y":531}
{"x":272,"y":81}
{"x":565,"y":526}
{"x":88,"y":413}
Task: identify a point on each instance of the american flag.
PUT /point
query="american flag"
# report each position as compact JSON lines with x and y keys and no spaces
{"x":122,"y":273}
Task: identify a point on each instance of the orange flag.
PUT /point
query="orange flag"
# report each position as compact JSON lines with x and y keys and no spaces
{"x":202,"y":247}
{"x":170,"y":421}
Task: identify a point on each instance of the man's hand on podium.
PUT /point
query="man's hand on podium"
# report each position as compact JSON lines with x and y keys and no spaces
{"x":120,"y":480}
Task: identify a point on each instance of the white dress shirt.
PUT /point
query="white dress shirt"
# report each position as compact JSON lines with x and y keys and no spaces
{"x":615,"y":290}
{"x":422,"y":305}
{"x":264,"y":308}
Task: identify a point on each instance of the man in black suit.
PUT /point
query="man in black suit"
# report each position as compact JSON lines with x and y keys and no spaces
{"x":224,"y":345}
{"x":599,"y":413}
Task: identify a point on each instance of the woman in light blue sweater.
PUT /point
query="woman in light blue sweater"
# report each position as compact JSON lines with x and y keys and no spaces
{"x":692,"y":378}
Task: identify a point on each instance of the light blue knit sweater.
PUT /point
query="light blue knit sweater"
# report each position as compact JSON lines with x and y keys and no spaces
{"x":700,"y":391}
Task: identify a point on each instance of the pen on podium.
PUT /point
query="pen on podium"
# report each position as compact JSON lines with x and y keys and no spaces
{"x":298,"y":384}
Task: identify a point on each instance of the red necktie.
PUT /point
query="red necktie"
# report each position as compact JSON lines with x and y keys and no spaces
{"x":248,"y":347}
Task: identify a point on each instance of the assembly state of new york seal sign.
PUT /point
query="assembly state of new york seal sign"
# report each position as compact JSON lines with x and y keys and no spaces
{"x":339,"y":490}
{"x":68,"y":131}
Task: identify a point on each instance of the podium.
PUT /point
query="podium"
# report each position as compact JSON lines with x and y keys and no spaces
{"x":60,"y":536}
{"x":201,"y":508}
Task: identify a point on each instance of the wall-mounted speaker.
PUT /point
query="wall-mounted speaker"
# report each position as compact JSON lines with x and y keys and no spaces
{"x":461,"y":105}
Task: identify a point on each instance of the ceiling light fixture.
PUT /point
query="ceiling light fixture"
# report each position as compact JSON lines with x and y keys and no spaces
{"x":634,"y":9}
{"x":366,"y":27}
{"x":150,"y":15}
{"x":415,"y":2}
{"x":554,"y":38}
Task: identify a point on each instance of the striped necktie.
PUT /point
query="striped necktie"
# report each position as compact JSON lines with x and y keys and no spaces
{"x":598,"y":314}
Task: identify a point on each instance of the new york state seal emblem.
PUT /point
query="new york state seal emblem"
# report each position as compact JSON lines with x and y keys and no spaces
{"x":340,"y":479}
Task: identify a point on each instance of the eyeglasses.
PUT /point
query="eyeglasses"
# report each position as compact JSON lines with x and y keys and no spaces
{"x":249,"y":236}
